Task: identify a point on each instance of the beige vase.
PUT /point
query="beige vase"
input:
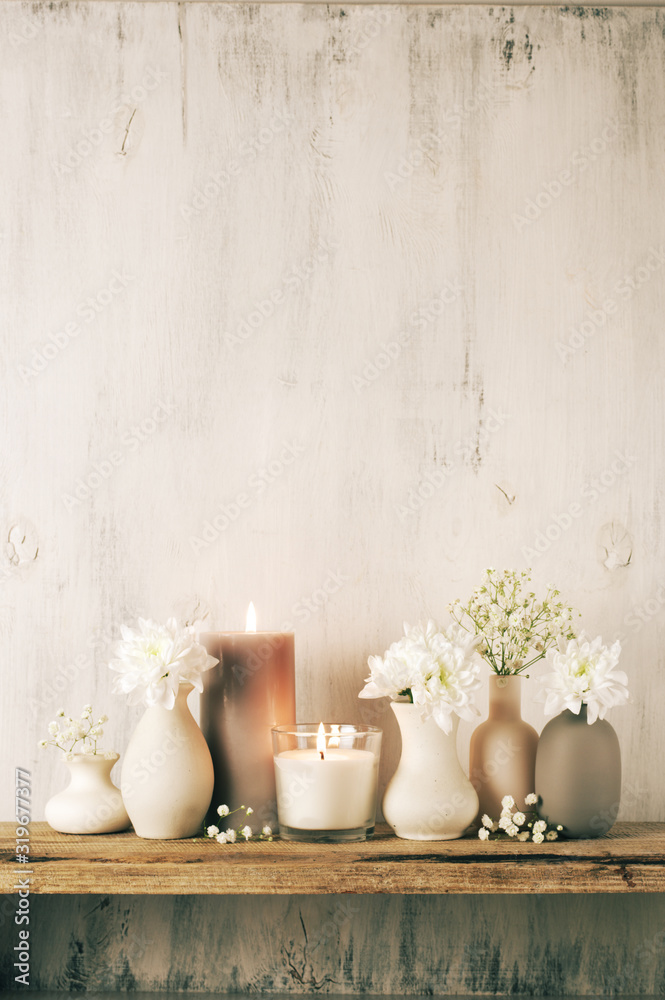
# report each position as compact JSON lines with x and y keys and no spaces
{"x":91,"y":803}
{"x":167,"y":775}
{"x":503,"y":749}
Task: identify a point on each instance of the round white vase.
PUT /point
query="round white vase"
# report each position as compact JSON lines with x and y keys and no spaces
{"x":167,"y":775}
{"x":91,"y":803}
{"x":429,"y":797}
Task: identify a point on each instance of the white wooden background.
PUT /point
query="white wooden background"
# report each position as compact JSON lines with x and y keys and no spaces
{"x":376,"y":167}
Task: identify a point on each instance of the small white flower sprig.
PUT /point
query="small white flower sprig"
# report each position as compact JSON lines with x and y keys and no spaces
{"x":511,"y":622}
{"x":153,"y":660}
{"x":516,"y":824}
{"x":584,"y":673}
{"x":66,"y":733}
{"x":436,"y":669}
{"x":233,"y":833}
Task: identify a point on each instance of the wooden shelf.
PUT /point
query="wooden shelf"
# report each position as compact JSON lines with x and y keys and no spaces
{"x":631,"y":858}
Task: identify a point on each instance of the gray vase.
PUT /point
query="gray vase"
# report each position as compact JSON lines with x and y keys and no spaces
{"x":578,"y":774}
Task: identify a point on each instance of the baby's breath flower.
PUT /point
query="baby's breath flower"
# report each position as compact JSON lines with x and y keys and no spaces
{"x":512,"y":830}
{"x":507,"y":802}
{"x":212,"y":831}
{"x":524,"y":835}
{"x":519,"y":818}
{"x":60,"y":713}
{"x":267,"y":831}
{"x":222,"y":838}
{"x":531,"y":799}
{"x":222,"y":810}
{"x":505,"y":822}
{"x":551,"y":835}
{"x":246,"y":832}
{"x":249,"y":811}
{"x":538,"y":838}
{"x":486,"y":821}
{"x":230,"y":836}
{"x":483,"y":833}
{"x":42,"y":743}
{"x":53,"y":728}
{"x":559,"y":828}
{"x":539,"y":826}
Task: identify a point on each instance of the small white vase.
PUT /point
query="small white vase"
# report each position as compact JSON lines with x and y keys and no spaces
{"x":91,"y":803}
{"x":167,"y":775}
{"x":429,"y":797}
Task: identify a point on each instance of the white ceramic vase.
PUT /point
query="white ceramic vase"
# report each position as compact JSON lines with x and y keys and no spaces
{"x":91,"y":803}
{"x":167,"y":775}
{"x":429,"y":797}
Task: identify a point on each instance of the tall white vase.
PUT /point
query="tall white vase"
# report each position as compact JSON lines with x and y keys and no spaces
{"x":429,"y":797}
{"x":91,"y":803}
{"x":167,"y":777}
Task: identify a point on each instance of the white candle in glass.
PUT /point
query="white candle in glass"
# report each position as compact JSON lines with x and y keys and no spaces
{"x":330,"y":788}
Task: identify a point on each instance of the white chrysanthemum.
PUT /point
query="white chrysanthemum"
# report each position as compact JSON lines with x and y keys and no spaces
{"x":438,"y":667}
{"x":154,"y":660}
{"x":584,"y":673}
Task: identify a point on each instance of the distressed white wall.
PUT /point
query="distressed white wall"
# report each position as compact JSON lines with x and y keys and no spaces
{"x":313,"y":119}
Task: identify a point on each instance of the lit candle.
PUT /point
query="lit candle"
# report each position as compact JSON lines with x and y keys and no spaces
{"x":251,"y":690}
{"x":326,"y":784}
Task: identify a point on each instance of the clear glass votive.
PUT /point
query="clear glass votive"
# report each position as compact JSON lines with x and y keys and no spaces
{"x":326,"y":777}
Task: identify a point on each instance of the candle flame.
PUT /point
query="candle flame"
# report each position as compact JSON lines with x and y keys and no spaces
{"x":334,"y":737}
{"x":251,"y":618}
{"x":321,"y":740}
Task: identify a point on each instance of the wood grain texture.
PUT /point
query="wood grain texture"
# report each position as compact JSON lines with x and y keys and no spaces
{"x":632,"y":859}
{"x":146,"y":168}
{"x":444,"y":945}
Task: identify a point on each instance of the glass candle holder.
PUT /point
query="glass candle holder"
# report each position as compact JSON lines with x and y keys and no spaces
{"x":326,"y":778}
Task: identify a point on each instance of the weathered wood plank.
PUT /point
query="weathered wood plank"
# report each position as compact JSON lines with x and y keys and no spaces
{"x":632,"y":859}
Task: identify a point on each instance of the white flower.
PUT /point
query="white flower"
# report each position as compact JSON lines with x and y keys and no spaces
{"x":512,"y":830}
{"x":486,"y":821}
{"x":212,"y":831}
{"x":154,"y":660}
{"x":505,"y":822}
{"x":222,"y":838}
{"x":249,"y":811}
{"x":222,"y":810}
{"x":111,"y":755}
{"x":438,"y":667}
{"x":559,"y":828}
{"x":102,"y":719}
{"x":246,"y":832}
{"x":584,"y":673}
{"x":52,"y":728}
{"x":267,"y":831}
{"x":507,"y":802}
{"x":87,"y":710}
{"x":42,"y":743}
{"x":60,"y":713}
{"x":87,"y":749}
{"x":537,"y":838}
{"x":524,"y":835}
{"x":483,"y":833}
{"x":519,"y":819}
{"x":539,"y":826}
{"x":552,"y":835}
{"x":230,"y":836}
{"x":531,"y":799}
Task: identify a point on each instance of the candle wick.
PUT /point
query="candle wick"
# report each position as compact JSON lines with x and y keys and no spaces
{"x":322,"y":757}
